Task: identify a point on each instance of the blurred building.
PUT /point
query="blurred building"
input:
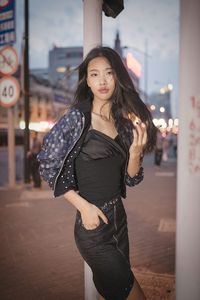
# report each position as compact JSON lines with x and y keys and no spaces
{"x":52,"y":88}
{"x":47,"y":103}
{"x":117,"y":44}
{"x":133,"y":66}
{"x":63,"y":63}
{"x":41,"y":73}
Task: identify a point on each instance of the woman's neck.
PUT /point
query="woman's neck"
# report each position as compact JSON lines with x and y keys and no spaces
{"x":102,"y":109}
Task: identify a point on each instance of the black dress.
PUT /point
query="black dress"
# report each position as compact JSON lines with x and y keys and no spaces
{"x":99,"y":171}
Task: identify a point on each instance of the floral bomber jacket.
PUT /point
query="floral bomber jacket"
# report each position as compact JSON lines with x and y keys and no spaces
{"x":62,"y":144}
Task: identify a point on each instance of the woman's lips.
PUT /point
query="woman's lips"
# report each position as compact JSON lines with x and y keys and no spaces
{"x":103,"y":91}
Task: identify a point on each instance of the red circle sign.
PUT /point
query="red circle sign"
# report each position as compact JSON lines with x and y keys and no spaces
{"x":9,"y":91}
{"x":4,"y":3}
{"x":8,"y":60}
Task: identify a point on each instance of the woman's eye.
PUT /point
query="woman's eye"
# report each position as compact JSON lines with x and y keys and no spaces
{"x":110,"y":73}
{"x":93,"y":74}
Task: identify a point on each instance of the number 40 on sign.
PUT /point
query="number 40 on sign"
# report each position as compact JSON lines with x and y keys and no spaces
{"x":9,"y":91}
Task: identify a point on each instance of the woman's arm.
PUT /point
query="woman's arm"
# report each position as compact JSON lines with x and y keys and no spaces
{"x":134,"y":165}
{"x":134,"y":173}
{"x":90,"y":213}
{"x":56,"y":145}
{"x":136,"y":148}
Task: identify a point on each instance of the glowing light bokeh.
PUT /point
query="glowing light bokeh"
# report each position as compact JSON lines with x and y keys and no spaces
{"x":133,"y":65}
{"x":37,"y":126}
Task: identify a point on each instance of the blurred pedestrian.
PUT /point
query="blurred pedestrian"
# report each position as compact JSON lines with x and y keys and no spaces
{"x":166,"y":146}
{"x":95,"y":149}
{"x":158,"y":148}
{"x":174,"y":144}
{"x":35,"y":148}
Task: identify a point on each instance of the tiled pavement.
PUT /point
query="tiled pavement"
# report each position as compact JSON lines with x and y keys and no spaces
{"x":38,"y":256}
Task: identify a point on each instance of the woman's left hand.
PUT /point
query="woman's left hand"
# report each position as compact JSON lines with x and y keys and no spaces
{"x":139,"y":139}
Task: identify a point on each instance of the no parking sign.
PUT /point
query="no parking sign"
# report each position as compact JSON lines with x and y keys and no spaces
{"x":8,"y":60}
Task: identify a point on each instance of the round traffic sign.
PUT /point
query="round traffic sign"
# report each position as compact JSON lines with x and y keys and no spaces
{"x":8,"y":60}
{"x":9,"y":91}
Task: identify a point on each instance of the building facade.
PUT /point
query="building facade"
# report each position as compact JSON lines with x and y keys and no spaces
{"x":62,"y":64}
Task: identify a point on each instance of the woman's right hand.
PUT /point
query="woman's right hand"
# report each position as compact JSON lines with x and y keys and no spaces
{"x":91,"y":215}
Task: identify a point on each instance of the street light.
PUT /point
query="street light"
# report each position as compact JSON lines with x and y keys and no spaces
{"x":166,"y":89}
{"x":162,"y":109}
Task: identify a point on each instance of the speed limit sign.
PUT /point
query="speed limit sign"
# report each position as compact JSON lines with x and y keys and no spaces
{"x":9,"y":91}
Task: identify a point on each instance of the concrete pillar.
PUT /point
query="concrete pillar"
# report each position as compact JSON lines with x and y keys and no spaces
{"x":92,"y":24}
{"x":188,"y":184}
{"x":92,"y":37}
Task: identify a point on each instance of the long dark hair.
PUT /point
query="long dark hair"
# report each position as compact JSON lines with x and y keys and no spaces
{"x":125,"y":99}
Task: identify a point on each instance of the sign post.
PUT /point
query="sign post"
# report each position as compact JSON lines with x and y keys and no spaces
{"x":9,"y":94}
{"x":11,"y":149}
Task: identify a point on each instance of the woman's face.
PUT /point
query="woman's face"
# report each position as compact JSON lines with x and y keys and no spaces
{"x":100,"y":78}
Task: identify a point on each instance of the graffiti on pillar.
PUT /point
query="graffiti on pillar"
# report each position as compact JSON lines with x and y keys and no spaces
{"x":194,"y":136}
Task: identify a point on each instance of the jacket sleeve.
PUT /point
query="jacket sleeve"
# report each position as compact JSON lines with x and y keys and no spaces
{"x":132,"y":181}
{"x":57,"y":144}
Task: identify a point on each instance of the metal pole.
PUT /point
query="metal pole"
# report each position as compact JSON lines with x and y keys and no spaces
{"x":92,"y":37}
{"x":26,"y":91}
{"x":11,"y":149}
{"x":188,"y":184}
{"x":146,"y":71}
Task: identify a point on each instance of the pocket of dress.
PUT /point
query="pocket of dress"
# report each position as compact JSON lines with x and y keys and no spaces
{"x":98,"y":228}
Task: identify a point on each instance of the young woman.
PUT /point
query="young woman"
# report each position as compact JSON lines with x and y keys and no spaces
{"x":90,"y":155}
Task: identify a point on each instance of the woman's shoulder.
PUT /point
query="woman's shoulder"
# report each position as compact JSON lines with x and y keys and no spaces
{"x":72,"y":115}
{"x":73,"y":119}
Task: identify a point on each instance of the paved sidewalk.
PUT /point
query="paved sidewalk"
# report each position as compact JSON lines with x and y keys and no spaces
{"x":38,"y":256}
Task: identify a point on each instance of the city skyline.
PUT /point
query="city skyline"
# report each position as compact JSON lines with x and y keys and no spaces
{"x":156,"y":21}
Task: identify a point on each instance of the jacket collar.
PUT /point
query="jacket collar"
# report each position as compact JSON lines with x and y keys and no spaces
{"x":85,"y":106}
